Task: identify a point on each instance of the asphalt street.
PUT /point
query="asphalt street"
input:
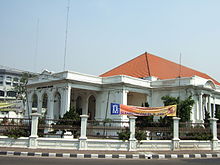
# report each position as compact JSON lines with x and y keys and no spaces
{"x":9,"y":160}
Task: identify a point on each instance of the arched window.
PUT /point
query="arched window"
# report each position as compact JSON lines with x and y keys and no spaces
{"x":210,"y":84}
{"x":44,"y":104}
{"x":79,"y":105}
{"x":34,"y":101}
{"x":92,"y":107}
{"x":57,"y":105}
{"x":45,"y":100}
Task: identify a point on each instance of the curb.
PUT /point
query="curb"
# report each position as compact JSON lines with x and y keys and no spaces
{"x":109,"y":156}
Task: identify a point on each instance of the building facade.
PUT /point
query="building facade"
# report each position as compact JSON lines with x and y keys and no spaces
{"x":92,"y":95}
{"x":9,"y":79}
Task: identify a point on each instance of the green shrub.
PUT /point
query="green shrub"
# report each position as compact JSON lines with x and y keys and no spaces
{"x":140,"y":135}
{"x":198,"y":136}
{"x":16,"y":132}
{"x":124,"y":135}
{"x":70,"y":118}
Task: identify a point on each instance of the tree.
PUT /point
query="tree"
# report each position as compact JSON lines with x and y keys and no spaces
{"x":21,"y":88}
{"x":184,"y":107}
{"x":70,"y":118}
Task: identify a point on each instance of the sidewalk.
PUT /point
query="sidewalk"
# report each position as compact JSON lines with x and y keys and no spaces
{"x":109,"y":154}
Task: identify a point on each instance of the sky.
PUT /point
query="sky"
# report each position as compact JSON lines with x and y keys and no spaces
{"x":103,"y":34}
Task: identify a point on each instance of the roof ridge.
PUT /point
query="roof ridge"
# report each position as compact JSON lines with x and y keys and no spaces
{"x":148,"y":67}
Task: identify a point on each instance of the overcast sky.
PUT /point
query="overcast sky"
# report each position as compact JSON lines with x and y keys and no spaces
{"x":105,"y":33}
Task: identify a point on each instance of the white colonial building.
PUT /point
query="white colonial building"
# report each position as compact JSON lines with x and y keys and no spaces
{"x":144,"y":79}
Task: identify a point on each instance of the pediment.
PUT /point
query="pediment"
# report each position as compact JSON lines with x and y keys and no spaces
{"x":209,"y":84}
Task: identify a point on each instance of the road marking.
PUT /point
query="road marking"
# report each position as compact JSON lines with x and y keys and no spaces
{"x":161,"y":156}
{"x":80,"y":156}
{"x":94,"y":155}
{"x":174,"y":156}
{"x":185,"y":155}
{"x":66,"y":155}
{"x":122,"y":156}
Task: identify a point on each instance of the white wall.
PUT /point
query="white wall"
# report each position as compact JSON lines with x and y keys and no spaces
{"x":136,"y":99}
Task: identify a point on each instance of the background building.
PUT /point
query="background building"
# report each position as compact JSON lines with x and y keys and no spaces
{"x":9,"y":79}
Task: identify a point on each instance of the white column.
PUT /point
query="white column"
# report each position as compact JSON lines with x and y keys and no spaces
{"x":209,"y":106}
{"x":194,"y":110}
{"x":124,"y":100}
{"x":176,"y":128}
{"x":50,"y":111}
{"x":65,"y":100}
{"x":214,"y":108}
{"x":39,"y":105}
{"x":197,"y":109}
{"x":200,"y":111}
{"x":124,"y":97}
{"x":29,"y":104}
{"x":175,"y":139}
{"x":83,"y":138}
{"x":29,"y":108}
{"x":132,"y":139}
{"x":34,"y":124}
{"x":213,"y":124}
{"x":34,"y":129}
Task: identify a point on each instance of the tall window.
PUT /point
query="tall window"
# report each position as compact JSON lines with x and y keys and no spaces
{"x":2,"y":93}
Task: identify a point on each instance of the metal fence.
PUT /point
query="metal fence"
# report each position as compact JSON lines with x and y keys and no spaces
{"x":106,"y":129}
{"x":195,"y":131}
{"x":58,"y":128}
{"x":156,"y":131}
{"x":15,"y":127}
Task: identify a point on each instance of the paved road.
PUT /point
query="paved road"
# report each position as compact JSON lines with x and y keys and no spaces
{"x":8,"y":160}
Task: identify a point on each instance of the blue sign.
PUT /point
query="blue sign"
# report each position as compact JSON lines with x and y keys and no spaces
{"x":115,"y":109}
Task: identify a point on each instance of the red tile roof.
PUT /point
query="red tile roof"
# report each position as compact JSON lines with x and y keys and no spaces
{"x":147,"y":65}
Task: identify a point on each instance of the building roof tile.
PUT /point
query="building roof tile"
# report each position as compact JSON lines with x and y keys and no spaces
{"x":147,"y":65}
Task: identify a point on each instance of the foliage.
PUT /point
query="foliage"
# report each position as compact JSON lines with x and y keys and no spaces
{"x":184,"y":107}
{"x":70,"y":118}
{"x":168,"y":100}
{"x":140,"y":135}
{"x":124,"y":135}
{"x":21,"y":88}
{"x":165,"y":121}
{"x":16,"y":132}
